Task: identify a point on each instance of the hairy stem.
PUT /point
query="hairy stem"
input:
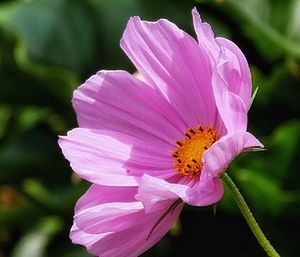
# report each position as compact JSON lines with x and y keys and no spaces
{"x":261,"y":238}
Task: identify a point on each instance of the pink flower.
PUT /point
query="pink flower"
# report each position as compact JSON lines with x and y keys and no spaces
{"x":150,"y":146}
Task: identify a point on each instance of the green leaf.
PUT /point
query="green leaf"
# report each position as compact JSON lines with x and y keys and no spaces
{"x":59,"y":200}
{"x":264,"y":193}
{"x":278,"y":161}
{"x":270,"y":24}
{"x":34,"y":243}
{"x":4,"y":117}
{"x":33,"y":153}
{"x":55,"y":32}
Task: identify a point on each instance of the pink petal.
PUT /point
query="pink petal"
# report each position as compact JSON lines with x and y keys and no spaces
{"x":153,"y":190}
{"x":108,"y":217}
{"x":120,"y":228}
{"x":218,"y":157}
{"x":98,"y":194}
{"x":171,"y":60}
{"x":102,"y":209}
{"x":78,"y":236}
{"x":208,"y":190}
{"x":116,"y":100}
{"x":100,"y":200}
{"x":231,"y":107}
{"x":205,"y":36}
{"x":97,"y":158}
{"x":112,"y":158}
{"x":236,"y":70}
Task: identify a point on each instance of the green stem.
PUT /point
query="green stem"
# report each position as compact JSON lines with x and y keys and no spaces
{"x":261,"y":238}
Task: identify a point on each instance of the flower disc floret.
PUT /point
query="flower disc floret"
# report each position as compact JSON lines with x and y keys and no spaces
{"x":188,"y":155}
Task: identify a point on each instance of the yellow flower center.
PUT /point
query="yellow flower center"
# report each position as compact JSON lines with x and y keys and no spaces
{"x":188,"y":154}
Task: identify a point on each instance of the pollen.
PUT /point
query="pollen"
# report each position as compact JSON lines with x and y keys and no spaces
{"x":188,"y":154}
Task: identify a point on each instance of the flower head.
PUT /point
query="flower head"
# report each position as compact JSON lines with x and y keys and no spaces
{"x":151,"y":145}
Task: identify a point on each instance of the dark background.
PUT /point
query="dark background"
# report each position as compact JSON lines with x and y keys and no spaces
{"x":49,"y":47}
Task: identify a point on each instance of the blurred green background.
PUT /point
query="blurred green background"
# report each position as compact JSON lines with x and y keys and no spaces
{"x":49,"y":47}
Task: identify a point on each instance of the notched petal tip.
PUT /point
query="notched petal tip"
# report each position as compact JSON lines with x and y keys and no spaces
{"x":196,"y":15}
{"x":60,"y":138}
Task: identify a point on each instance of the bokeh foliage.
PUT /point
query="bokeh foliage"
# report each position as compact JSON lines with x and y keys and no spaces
{"x":49,"y":47}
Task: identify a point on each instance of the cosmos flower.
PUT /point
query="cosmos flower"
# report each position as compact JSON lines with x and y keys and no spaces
{"x":150,"y":145}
